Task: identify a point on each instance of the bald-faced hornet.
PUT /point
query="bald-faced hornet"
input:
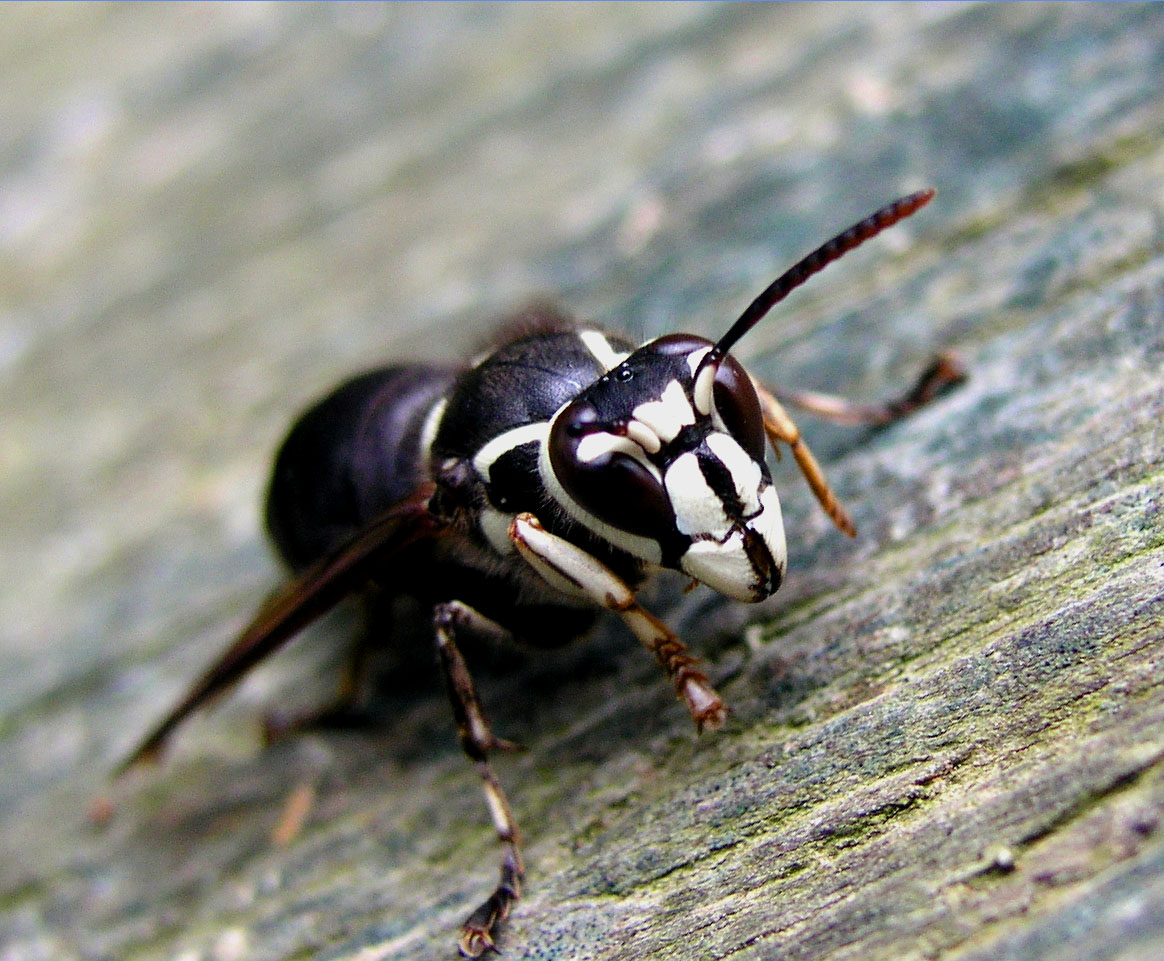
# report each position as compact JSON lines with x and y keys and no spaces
{"x":543,"y":483}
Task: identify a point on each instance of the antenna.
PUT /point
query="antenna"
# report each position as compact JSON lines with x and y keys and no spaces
{"x":815,"y":262}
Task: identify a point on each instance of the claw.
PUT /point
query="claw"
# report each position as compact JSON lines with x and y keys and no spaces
{"x":475,"y":942}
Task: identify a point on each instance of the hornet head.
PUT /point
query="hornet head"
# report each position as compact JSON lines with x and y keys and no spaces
{"x":669,"y":466}
{"x":663,"y":456}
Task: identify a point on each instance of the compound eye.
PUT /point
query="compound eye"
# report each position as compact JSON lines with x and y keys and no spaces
{"x":739,"y":407}
{"x":596,"y":465}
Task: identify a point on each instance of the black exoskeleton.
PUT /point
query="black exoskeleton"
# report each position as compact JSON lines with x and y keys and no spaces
{"x":541,"y":484}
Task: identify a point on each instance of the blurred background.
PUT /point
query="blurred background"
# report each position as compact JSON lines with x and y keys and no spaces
{"x":209,"y":214}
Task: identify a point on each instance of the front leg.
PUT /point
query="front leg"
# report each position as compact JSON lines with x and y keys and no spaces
{"x":780,"y":427}
{"x":477,"y":740}
{"x":567,"y":566}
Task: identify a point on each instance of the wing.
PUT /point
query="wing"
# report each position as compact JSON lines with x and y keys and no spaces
{"x":308,"y":597}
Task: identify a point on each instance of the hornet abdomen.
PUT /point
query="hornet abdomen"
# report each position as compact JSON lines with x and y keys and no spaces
{"x":349,"y":458}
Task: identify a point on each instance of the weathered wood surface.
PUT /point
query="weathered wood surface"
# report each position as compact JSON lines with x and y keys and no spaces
{"x":947,"y":735}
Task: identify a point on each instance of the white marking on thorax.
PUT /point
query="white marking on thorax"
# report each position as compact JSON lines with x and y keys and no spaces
{"x":698,"y":510}
{"x":595,"y":341}
{"x":428,"y":432}
{"x":484,"y":459}
{"x":669,"y":414}
{"x":493,"y":523}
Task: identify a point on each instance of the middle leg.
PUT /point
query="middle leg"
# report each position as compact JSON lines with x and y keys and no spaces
{"x":944,"y":372}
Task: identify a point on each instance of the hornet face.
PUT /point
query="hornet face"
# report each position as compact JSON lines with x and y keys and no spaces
{"x":672,"y":472}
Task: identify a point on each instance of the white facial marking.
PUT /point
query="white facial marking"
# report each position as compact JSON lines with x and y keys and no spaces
{"x":506,"y":442}
{"x":745,"y":472}
{"x":642,"y":435}
{"x":641,"y":547}
{"x":668,"y":415}
{"x":703,"y":391}
{"x":600,"y":444}
{"x":722,"y":567}
{"x":721,"y":561}
{"x":695,"y":358}
{"x":770,"y":526}
{"x":595,"y":342}
{"x":697,"y":509}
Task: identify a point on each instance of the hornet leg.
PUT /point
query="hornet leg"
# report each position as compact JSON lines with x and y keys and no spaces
{"x":348,"y":708}
{"x":573,"y":570}
{"x":780,"y":427}
{"x":345,"y":711}
{"x":477,"y":740}
{"x":944,"y":371}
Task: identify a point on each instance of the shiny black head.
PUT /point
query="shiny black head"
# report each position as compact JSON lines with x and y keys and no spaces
{"x":663,"y":456}
{"x":674,"y":479}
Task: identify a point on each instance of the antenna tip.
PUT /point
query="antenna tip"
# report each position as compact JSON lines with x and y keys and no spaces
{"x":921,"y":198}
{"x":888,"y":215}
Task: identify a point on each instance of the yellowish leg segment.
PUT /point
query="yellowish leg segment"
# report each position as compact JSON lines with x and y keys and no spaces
{"x":571,"y":568}
{"x":780,"y":427}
